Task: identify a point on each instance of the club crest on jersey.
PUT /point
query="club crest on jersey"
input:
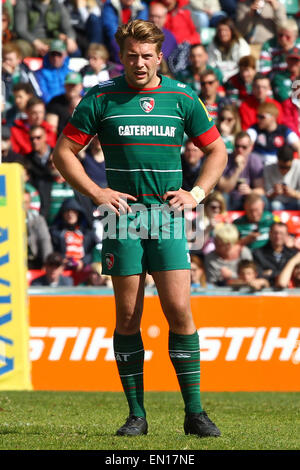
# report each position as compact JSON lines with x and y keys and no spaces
{"x":109,"y":260}
{"x":147,"y":104}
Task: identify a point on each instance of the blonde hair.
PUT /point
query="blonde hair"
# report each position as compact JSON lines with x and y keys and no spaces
{"x":215,"y":196}
{"x":289,"y":25}
{"x":142,"y":31}
{"x":227,"y":233}
{"x":98,"y":49}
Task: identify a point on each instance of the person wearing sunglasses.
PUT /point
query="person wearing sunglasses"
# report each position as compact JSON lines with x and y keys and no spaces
{"x":268,"y":136}
{"x":243,"y":174}
{"x":210,"y":95}
{"x":274,"y":51}
{"x":229,"y":125}
{"x":282,"y":181}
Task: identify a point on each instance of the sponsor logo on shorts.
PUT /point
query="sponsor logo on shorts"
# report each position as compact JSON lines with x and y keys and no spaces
{"x":109,"y":260}
{"x":147,"y":104}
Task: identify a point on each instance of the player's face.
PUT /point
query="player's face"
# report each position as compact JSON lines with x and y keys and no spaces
{"x":140,"y":62}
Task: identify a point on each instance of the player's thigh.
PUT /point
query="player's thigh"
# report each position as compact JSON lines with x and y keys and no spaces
{"x":129,"y":299}
{"x":174,"y":293}
{"x":123,"y":257}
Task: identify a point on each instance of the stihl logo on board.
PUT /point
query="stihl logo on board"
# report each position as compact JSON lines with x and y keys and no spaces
{"x":233,"y":343}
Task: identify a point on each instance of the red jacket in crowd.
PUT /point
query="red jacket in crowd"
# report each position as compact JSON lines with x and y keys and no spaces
{"x":291,"y":116}
{"x":248,"y":111}
{"x":179,"y":22}
{"x":20,"y":136}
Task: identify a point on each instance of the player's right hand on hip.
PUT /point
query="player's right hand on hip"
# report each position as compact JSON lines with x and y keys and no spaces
{"x":114,"y":201}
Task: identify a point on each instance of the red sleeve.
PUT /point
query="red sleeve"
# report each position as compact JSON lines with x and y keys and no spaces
{"x":207,"y":137}
{"x":76,"y":135}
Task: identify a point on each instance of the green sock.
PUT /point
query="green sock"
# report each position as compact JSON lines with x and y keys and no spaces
{"x":129,"y":354}
{"x":184,"y":351}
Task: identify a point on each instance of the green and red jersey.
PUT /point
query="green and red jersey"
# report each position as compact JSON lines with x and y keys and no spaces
{"x":141,"y":133}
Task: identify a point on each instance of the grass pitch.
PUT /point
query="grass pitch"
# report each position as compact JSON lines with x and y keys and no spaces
{"x":88,"y":421}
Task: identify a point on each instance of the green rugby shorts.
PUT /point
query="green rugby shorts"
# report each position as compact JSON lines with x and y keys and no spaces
{"x":149,"y":240}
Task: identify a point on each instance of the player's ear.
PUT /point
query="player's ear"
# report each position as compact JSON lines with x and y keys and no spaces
{"x":159,"y":58}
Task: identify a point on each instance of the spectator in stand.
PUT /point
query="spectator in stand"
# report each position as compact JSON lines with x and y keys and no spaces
{"x":99,"y":68}
{"x":20,"y":131}
{"x":7,"y":34}
{"x":22,"y":93}
{"x":53,"y":189}
{"x":221,"y":265}
{"x":257,"y":20}
{"x":37,"y":22}
{"x":86,"y":21}
{"x":7,"y":154}
{"x":255,"y":225}
{"x":51,"y":77}
{"x":290,"y":275}
{"x":57,"y":192}
{"x":158,"y":15}
{"x":215,"y":212}
{"x":248,"y":277}
{"x":282,"y":181}
{"x":209,"y":94}
{"x":37,"y":164}
{"x":291,"y":108}
{"x":38,"y":237}
{"x":243,"y":174}
{"x":116,"y":12}
{"x":272,"y":258}
{"x":206,"y":13}
{"x":35,"y":200}
{"x":14,"y":71}
{"x":198,"y":276}
{"x":93,"y":163}
{"x":227,"y":48}
{"x":179,"y":22}
{"x":72,"y":237}
{"x":268,"y":136}
{"x":282,"y":81}
{"x":94,"y":277}
{"x":274,"y":51}
{"x":198,"y":64}
{"x":192,"y":160}
{"x":229,"y":125}
{"x":61,"y":107}
{"x":53,"y":277}
{"x":261,"y":93}
{"x":239,"y":86}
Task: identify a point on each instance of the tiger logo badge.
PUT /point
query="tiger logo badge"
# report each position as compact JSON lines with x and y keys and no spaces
{"x":147,"y":104}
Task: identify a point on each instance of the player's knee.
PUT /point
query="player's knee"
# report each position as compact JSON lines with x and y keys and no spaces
{"x":128,"y":322}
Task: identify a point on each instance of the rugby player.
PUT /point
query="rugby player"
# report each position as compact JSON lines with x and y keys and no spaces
{"x":140,"y":119}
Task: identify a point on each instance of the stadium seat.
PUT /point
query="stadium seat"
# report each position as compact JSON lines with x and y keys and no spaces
{"x":291,"y":6}
{"x":207,"y":35}
{"x":34,"y":63}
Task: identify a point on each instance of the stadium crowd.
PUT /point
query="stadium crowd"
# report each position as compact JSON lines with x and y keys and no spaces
{"x":242,"y":57}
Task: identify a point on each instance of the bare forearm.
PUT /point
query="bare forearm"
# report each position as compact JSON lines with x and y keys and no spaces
{"x":213,"y":166}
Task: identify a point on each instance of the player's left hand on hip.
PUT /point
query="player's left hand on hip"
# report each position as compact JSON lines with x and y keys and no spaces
{"x":180,"y":199}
